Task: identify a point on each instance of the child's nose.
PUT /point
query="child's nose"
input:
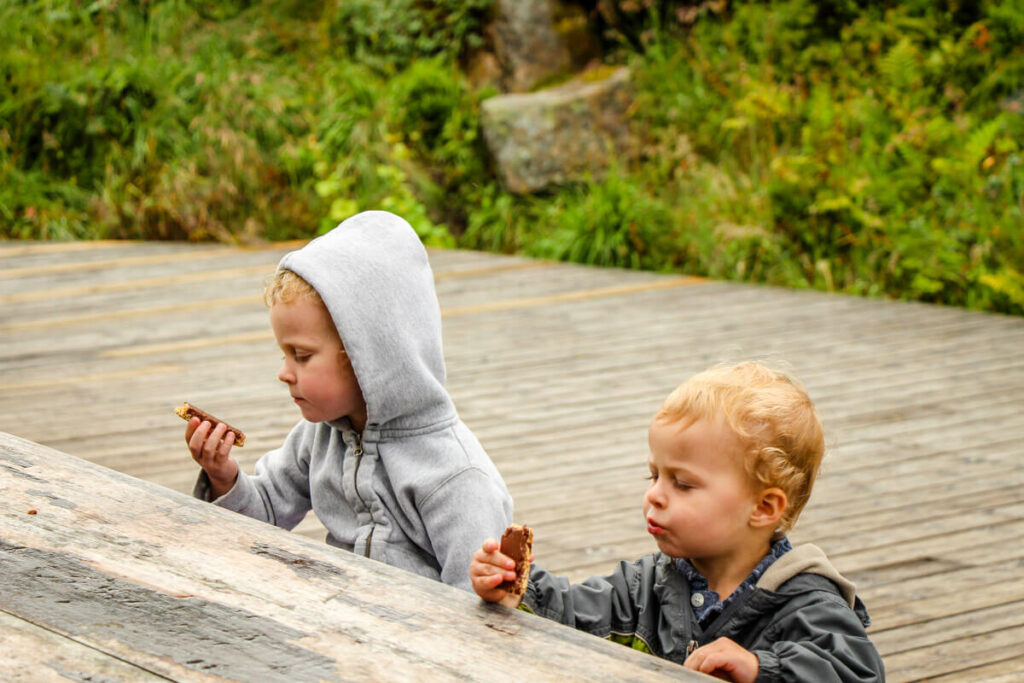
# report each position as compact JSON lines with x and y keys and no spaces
{"x":285,"y":374}
{"x":654,"y":494}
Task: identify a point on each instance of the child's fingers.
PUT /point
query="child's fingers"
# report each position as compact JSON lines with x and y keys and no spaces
{"x":491,"y":563}
{"x":502,"y":561}
{"x":224,"y":447}
{"x":488,"y":580}
{"x":190,"y":428}
{"x":489,"y":553}
{"x":197,"y":440}
{"x":724,"y":658}
{"x":495,"y":573}
{"x":209,"y":445}
{"x":210,"y":441}
{"x":213,"y":441}
{"x":486,"y":583}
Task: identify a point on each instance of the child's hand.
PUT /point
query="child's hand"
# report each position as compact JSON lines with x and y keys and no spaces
{"x":724,"y":658}
{"x":488,"y":569}
{"x":212,"y":449}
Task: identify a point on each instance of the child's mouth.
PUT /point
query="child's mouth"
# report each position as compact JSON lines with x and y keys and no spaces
{"x":654,"y":528}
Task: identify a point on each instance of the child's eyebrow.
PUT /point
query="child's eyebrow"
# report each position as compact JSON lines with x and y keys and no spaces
{"x":683,"y":470}
{"x":291,"y":348}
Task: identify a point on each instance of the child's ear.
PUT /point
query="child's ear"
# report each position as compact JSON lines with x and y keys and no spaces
{"x":770,"y":505}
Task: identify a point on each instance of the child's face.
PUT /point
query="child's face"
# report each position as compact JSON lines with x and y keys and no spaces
{"x":316,"y":368}
{"x":699,"y":502}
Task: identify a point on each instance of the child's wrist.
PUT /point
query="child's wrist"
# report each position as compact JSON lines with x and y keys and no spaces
{"x":223,"y":484}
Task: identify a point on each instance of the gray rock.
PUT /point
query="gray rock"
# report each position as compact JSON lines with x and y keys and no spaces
{"x":528,"y":47}
{"x":558,"y":135}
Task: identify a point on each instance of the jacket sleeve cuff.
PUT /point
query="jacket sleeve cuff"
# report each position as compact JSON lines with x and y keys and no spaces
{"x":529,"y":601}
{"x":768,"y":666}
{"x":241,"y":498}
{"x":202,"y":488}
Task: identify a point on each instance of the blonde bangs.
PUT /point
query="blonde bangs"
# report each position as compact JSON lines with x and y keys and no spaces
{"x":285,"y":287}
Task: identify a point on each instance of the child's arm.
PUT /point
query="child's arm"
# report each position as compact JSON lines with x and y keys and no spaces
{"x":277,"y":491}
{"x":818,"y":639}
{"x":724,"y":658}
{"x":599,"y":605}
{"x":456,"y":515}
{"x":489,"y":569}
{"x":211,"y":448}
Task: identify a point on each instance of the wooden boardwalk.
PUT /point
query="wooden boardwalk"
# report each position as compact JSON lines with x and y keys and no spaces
{"x":558,"y":369}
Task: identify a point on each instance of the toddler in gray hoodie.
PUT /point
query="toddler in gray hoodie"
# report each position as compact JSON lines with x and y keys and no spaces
{"x":380,"y":455}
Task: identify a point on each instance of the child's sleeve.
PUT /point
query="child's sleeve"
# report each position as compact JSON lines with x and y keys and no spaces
{"x":278,"y":489}
{"x":820,"y":641}
{"x":604,"y":606}
{"x":458,"y":516}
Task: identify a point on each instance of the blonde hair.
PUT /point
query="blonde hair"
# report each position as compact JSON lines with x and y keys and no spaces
{"x":772,"y":415}
{"x":284,"y":287}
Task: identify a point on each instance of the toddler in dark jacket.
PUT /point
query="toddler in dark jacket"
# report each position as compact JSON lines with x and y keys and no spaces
{"x":733,"y":455}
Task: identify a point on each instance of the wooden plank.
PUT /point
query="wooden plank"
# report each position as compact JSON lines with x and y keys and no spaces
{"x":972,"y":619}
{"x":893,"y":597}
{"x":1009,"y":670}
{"x":183,"y":589}
{"x":45,"y":657}
{"x":956,"y":655}
{"x":21,"y":249}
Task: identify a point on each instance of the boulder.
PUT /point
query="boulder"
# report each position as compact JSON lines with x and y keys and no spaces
{"x":559,"y":135}
{"x":528,"y":46}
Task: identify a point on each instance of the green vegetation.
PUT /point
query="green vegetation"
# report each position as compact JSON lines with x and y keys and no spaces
{"x":865,"y":146}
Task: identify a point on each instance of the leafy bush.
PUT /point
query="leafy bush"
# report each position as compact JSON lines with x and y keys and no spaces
{"x":609,"y":223}
{"x":886,"y":160}
{"x":866,"y":146}
{"x":391,"y":35}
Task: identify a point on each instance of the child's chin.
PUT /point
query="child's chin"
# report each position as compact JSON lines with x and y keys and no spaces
{"x":669,"y":549}
{"x":311,"y":416}
{"x":664,"y":547}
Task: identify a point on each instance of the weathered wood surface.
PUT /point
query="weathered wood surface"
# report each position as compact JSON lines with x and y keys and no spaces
{"x":104,"y":576}
{"x":557,"y":369}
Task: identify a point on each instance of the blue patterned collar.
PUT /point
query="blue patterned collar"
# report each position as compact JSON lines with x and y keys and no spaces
{"x":705,"y":602}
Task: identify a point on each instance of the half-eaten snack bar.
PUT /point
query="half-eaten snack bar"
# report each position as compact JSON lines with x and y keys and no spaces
{"x":516,"y":543}
{"x":186,"y":411}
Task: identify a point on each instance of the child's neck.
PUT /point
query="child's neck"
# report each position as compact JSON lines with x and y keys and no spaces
{"x":725,"y":573}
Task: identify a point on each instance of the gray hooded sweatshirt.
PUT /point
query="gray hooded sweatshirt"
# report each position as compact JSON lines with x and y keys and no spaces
{"x":416,"y":489}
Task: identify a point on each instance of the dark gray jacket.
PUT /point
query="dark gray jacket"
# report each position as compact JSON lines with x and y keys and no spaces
{"x":802,"y":620}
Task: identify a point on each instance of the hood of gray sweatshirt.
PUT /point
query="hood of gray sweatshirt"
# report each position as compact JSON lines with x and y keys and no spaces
{"x":415,"y":489}
{"x":372,"y":273}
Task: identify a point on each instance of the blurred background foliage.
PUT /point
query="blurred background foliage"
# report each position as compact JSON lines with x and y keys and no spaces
{"x":864,"y":146}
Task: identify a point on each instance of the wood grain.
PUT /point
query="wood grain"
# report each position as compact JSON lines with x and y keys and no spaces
{"x":122,"y":577}
{"x":558,"y":368}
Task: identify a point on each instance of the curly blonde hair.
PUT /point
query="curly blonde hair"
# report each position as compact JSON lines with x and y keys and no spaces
{"x":773,"y":417}
{"x":284,"y":287}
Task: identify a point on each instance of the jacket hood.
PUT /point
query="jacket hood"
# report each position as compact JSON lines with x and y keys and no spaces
{"x":373,"y":275}
{"x":806,"y":559}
